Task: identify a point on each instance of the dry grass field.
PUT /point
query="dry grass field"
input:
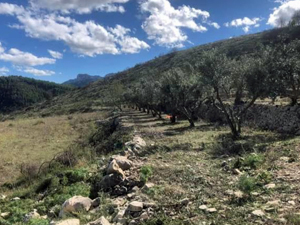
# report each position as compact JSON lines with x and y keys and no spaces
{"x":36,"y":140}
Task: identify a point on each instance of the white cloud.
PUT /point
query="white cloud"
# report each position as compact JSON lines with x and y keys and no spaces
{"x":214,"y":24}
{"x":37,"y":72}
{"x":3,"y":71}
{"x":17,"y":57}
{"x":56,"y":55}
{"x":245,"y":22}
{"x":11,"y":9}
{"x":86,"y":39}
{"x":164,"y":24}
{"x":80,"y":6}
{"x":283,"y":14}
{"x":1,"y":48}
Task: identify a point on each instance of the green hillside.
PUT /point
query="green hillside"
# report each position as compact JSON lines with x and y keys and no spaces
{"x":95,"y":94}
{"x":18,"y":92}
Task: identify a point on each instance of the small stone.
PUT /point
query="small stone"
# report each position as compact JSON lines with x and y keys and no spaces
{"x":238,"y":194}
{"x":144,"y":216}
{"x":203,"y":207}
{"x":133,"y":222}
{"x":101,"y":221}
{"x":270,"y":186}
{"x":119,"y":216}
{"x":184,"y":202}
{"x":229,"y":192}
{"x":258,"y":213}
{"x":148,"y":186}
{"x":292,"y":202}
{"x":5,"y":215}
{"x":237,"y":172}
{"x":224,"y":164}
{"x":66,"y":222}
{"x":135,"y":189}
{"x":135,"y":206}
{"x":75,"y":204}
{"x":2,"y":197}
{"x":254,"y":193}
{"x":16,"y":199}
{"x":273,"y":203}
{"x":149,"y":205}
{"x":211,"y":210}
{"x":32,"y":215}
{"x":285,"y":159}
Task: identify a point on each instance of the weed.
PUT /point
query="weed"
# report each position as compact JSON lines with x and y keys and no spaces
{"x":253,"y":160}
{"x":247,"y":184}
{"x":145,"y":173}
{"x":293,"y":219}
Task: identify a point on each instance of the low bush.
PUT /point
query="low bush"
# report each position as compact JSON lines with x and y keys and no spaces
{"x":247,"y":184}
{"x":145,"y":173}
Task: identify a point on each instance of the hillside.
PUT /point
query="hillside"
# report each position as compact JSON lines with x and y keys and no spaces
{"x":18,"y":92}
{"x":82,"y":80}
{"x":90,"y":97}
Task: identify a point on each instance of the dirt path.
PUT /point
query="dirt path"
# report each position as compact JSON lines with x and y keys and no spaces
{"x":184,"y":168}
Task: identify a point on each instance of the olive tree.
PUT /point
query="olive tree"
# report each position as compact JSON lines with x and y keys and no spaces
{"x":182,"y":91}
{"x":287,"y":66}
{"x":233,"y":79}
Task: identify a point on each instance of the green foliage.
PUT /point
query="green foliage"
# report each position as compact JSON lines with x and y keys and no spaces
{"x":293,"y":219}
{"x":247,"y":184}
{"x":253,"y":160}
{"x":145,"y":173}
{"x":18,"y":92}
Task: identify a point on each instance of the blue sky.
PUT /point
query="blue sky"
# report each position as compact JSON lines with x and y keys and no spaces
{"x":55,"y":40}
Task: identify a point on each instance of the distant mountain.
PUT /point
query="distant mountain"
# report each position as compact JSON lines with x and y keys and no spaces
{"x":82,"y":80}
{"x":18,"y":92}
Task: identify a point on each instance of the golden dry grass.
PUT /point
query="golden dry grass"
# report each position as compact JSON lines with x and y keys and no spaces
{"x":36,"y":140}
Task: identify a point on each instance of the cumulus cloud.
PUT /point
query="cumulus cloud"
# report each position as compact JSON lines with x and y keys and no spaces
{"x":86,"y":38}
{"x":3,"y":71}
{"x":80,"y":6}
{"x":18,"y":57}
{"x":56,"y":55}
{"x":11,"y":9}
{"x":37,"y":72}
{"x":246,"y":23}
{"x":164,"y":24}
{"x":282,"y":15}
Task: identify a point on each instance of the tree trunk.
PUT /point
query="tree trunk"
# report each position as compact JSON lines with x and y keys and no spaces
{"x":294,"y":101}
{"x":192,"y":124}
{"x":173,"y":118}
{"x":144,"y":109}
{"x":153,"y":113}
{"x":148,"y":110}
{"x":238,"y":97}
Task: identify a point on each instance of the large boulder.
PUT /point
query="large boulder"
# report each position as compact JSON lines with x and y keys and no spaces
{"x":110,"y":181}
{"x":123,"y":162}
{"x":114,"y":168}
{"x":101,"y":221}
{"x":76,"y":204}
{"x":66,"y":222}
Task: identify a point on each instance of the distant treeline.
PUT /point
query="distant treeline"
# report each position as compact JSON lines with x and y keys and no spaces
{"x":18,"y":92}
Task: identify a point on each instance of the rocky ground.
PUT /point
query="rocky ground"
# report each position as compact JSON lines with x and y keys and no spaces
{"x":172,"y":174}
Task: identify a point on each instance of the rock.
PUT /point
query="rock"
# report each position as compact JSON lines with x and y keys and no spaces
{"x":123,"y":162}
{"x":147,"y":187}
{"x":144,"y":216}
{"x":292,"y":202}
{"x":16,"y":199}
{"x":101,"y":221}
{"x":110,"y":181}
{"x":224,"y":164}
{"x":76,"y":204}
{"x":2,"y":197}
{"x":114,"y":168}
{"x":237,"y":172}
{"x":149,"y":205}
{"x":203,"y":207}
{"x":258,"y":213}
{"x":229,"y":192}
{"x":5,"y":215}
{"x":119,"y":216}
{"x":184,"y":202}
{"x":67,"y":222}
{"x":96,"y":202}
{"x":32,"y":215}
{"x":135,"y":189}
{"x":254,"y":193}
{"x":238,"y":194}
{"x":133,"y":222}
{"x":211,"y":210}
{"x":285,"y":159}
{"x":270,"y":186}
{"x":135,"y":206}
{"x":273,"y":203}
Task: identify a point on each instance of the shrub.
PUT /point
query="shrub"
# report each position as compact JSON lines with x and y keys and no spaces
{"x":247,"y":184}
{"x":253,"y":160}
{"x":29,"y":171}
{"x":145,"y":173}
